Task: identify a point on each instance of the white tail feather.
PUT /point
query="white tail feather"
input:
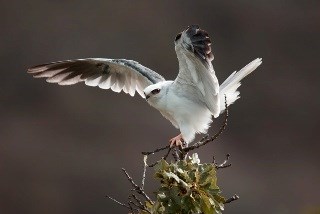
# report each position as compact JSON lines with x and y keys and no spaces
{"x":231,"y":84}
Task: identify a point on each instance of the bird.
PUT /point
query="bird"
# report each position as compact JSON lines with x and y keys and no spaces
{"x":189,"y":102}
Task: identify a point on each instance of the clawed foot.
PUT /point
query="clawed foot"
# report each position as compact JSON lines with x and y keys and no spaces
{"x":176,"y":141}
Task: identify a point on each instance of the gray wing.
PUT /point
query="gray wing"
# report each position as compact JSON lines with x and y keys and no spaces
{"x":115,"y":74}
{"x":193,"y":49}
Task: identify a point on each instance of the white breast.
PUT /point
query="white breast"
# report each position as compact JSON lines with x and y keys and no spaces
{"x":190,"y":116}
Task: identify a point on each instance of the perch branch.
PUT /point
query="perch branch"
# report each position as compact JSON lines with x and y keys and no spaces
{"x":156,"y":150}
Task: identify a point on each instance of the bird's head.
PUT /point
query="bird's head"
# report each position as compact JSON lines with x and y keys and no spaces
{"x":155,"y":92}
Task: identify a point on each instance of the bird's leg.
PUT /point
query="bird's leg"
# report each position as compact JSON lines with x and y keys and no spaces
{"x":176,"y":141}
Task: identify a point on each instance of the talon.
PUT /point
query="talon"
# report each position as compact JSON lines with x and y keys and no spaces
{"x":176,"y":141}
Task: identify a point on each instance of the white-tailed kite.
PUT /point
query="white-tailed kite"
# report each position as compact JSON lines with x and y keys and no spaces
{"x":188,"y":102}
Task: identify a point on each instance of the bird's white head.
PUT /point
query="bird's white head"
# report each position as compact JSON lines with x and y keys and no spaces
{"x":154,"y":93}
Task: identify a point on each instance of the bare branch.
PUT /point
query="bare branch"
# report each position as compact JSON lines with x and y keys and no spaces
{"x":138,"y":201}
{"x":182,"y":154}
{"x":145,"y":157}
{"x":136,"y":188}
{"x":153,"y":164}
{"x":233,"y":198}
{"x":118,"y":202}
{"x":156,"y":150}
{"x":225,"y":163}
{"x":131,"y":208}
{"x":167,"y":154}
{"x":175,"y":154}
{"x":164,"y":157}
{"x":133,"y":203}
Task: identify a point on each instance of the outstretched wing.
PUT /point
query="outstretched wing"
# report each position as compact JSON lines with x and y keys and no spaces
{"x":193,"y":49}
{"x":115,"y":74}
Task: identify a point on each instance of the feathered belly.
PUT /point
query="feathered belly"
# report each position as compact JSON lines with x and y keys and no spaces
{"x":197,"y":118}
{"x":190,"y":117}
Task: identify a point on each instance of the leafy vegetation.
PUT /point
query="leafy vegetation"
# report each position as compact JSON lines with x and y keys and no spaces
{"x":187,"y":187}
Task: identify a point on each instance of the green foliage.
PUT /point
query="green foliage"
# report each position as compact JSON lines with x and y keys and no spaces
{"x":187,"y":187}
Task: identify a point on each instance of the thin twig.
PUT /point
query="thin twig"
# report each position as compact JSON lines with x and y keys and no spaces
{"x":138,"y":201}
{"x":208,"y":140}
{"x":131,"y":208}
{"x":175,"y":154}
{"x":233,"y":198}
{"x":136,"y":188}
{"x":182,"y":154}
{"x":167,"y":154}
{"x":134,"y":204}
{"x":145,"y":157}
{"x":164,"y":158}
{"x":155,"y":151}
{"x":225,"y":163}
{"x":153,"y":164}
{"x":118,"y":202}
{"x":139,"y":205}
{"x":204,"y":138}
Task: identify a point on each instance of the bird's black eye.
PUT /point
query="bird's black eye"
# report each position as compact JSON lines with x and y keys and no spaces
{"x":155,"y":91}
{"x":177,"y":37}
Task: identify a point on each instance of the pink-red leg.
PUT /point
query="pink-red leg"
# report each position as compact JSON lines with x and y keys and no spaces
{"x":176,"y":141}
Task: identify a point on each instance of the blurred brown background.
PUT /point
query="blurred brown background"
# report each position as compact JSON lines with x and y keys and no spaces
{"x":62,"y":148}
